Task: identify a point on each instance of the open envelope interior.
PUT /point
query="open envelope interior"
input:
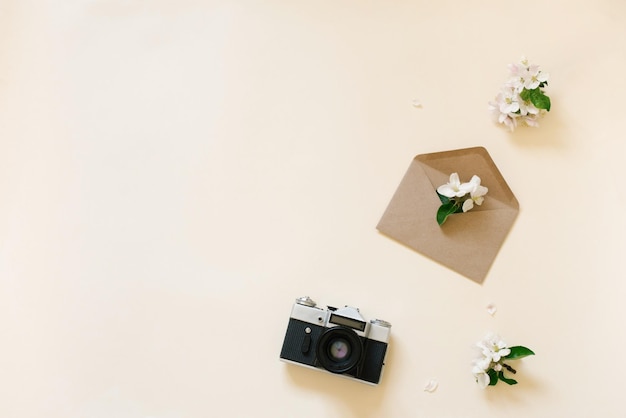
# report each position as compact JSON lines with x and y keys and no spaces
{"x":467,"y":242}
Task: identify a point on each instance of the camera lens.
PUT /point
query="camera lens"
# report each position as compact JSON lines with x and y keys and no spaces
{"x":339,"y":349}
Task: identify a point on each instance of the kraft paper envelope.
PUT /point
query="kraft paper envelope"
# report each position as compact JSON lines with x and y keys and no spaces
{"x":467,"y":242}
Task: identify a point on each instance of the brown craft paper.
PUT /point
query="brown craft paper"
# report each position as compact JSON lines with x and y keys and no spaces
{"x":467,"y":242}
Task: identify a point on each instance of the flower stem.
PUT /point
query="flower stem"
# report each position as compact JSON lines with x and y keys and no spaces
{"x":509,"y":368}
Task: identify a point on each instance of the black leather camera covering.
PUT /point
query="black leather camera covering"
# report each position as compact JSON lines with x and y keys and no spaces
{"x":300,"y":347}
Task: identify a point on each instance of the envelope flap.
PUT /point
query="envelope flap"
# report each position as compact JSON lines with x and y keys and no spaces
{"x":468,"y":162}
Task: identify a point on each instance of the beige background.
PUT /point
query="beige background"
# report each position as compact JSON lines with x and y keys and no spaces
{"x":174,"y":173}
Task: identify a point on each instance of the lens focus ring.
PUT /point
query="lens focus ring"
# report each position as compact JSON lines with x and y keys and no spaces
{"x":339,"y":349}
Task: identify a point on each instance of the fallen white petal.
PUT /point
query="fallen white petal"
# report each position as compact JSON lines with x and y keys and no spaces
{"x":491,"y":309}
{"x":431,"y":386}
{"x":417,"y":103}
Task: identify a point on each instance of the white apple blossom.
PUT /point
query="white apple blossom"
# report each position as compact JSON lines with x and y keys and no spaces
{"x":492,"y":350}
{"x":517,"y":78}
{"x":508,"y":100}
{"x":534,"y":77}
{"x":481,"y":364}
{"x":483,"y":379}
{"x":493,"y":347}
{"x":489,"y":366}
{"x":527,"y":108}
{"x":479,"y":369}
{"x":454,"y":196}
{"x":515,"y":105}
{"x":477,"y":193}
{"x":454,"y":188}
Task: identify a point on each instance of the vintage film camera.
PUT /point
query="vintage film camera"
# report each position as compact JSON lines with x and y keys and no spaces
{"x":336,"y":340}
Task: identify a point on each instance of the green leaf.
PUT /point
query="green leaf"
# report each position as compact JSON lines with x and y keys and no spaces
{"x":493,"y":377}
{"x":540,"y":100}
{"x":506,"y":380}
{"x":525,"y":95}
{"x":519,"y":352}
{"x":444,"y":199}
{"x":444,"y":211}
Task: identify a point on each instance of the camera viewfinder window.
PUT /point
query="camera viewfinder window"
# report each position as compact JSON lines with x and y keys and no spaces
{"x":348,"y":322}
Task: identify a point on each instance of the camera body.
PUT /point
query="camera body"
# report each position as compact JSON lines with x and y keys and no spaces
{"x":339,"y":341}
